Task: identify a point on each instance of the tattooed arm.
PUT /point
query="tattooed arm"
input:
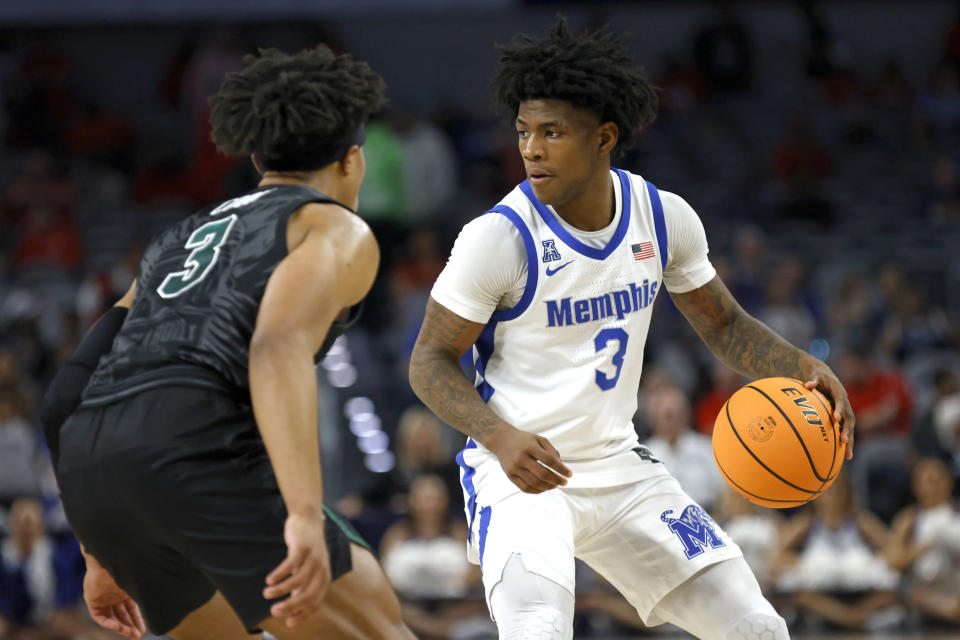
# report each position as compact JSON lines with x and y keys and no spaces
{"x":750,"y":348}
{"x":438,"y":380}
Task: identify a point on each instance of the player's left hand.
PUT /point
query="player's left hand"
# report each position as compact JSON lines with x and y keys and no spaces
{"x":110,"y":606}
{"x":303,"y":578}
{"x":821,"y":377}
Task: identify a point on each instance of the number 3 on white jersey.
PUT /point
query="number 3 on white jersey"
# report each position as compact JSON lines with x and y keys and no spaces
{"x":604,"y":338}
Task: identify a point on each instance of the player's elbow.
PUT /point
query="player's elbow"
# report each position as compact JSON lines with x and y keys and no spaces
{"x":267,"y":348}
{"x":424,"y":363}
{"x":416,"y":369}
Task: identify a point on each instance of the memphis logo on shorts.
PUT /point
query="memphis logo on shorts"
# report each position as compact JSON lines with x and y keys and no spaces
{"x":695,"y":528}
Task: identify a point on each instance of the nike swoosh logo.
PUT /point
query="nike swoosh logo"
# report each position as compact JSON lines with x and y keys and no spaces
{"x":550,"y":271}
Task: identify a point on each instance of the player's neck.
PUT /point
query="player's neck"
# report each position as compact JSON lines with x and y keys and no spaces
{"x":594,"y":208}
{"x":323,"y":181}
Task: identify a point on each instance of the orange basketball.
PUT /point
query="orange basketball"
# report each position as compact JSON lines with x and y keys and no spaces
{"x":777,"y":444}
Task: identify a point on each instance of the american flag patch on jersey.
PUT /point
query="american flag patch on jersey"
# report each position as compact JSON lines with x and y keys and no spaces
{"x":643,"y":251}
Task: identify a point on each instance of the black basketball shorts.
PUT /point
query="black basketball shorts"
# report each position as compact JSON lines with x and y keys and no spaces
{"x":172,"y":491}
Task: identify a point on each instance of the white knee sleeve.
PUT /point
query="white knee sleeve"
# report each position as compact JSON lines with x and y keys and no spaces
{"x":527,"y":606}
{"x":723,"y":602}
{"x":759,"y":626}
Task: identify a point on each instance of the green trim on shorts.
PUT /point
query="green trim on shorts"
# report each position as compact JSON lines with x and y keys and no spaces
{"x":347,"y":528}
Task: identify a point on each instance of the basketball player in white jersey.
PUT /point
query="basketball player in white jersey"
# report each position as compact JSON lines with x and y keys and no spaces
{"x":553,"y":289}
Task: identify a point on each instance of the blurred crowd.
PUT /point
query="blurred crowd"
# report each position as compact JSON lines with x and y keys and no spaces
{"x":832,"y":203}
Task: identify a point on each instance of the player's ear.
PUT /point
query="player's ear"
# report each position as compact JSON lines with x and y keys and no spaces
{"x":256,"y":163}
{"x":353,"y":161}
{"x":609,"y":133}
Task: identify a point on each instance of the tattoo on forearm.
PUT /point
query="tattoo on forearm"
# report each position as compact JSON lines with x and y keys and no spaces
{"x":738,"y":339}
{"x":437,"y":379}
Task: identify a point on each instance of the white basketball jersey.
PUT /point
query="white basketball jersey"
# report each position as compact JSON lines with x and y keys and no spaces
{"x":565,"y":361}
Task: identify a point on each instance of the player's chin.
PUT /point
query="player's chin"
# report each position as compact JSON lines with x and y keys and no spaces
{"x":547,"y":191}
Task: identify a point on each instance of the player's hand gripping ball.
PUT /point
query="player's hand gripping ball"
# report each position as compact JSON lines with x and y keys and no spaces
{"x":777,"y":444}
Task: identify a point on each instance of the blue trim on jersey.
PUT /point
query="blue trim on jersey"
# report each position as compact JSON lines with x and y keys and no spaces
{"x":484,"y":344}
{"x":484,"y":347}
{"x":572,"y":242}
{"x":533,"y":266}
{"x":484,"y":525}
{"x":467,"y":482}
{"x":658,"y":223}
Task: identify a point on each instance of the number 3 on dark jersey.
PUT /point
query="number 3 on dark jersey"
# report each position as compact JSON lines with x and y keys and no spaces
{"x":205,"y":243}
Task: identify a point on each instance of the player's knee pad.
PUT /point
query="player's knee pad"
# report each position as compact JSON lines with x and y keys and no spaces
{"x":527,"y":606}
{"x":759,"y":625}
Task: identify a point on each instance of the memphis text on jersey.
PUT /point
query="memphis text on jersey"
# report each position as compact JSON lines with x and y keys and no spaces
{"x":568,"y":311}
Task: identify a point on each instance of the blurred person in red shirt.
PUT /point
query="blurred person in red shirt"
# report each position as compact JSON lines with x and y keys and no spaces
{"x":47,"y":240}
{"x":43,"y":182}
{"x":883,"y":404}
{"x":708,"y":406}
{"x":800,"y":153}
{"x":422,"y":262}
{"x":881,"y":399}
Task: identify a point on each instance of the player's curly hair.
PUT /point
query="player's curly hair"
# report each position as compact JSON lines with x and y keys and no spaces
{"x":285,"y":108}
{"x":592,"y":70}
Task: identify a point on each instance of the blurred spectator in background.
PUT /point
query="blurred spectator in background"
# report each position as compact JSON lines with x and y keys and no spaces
{"x":926,"y":439}
{"x":925,"y":546}
{"x":414,"y":273}
{"x":801,"y":162}
{"x":880,"y":397}
{"x":686,"y":454}
{"x":424,"y":447}
{"x":429,"y":164}
{"x":12,"y":377}
{"x":100,"y":134}
{"x":21,"y":455}
{"x":682,"y":88}
{"x":205,"y":65}
{"x":47,"y":241}
{"x":755,"y":530}
{"x":423,"y":555}
{"x":946,"y":422}
{"x":828,"y":558}
{"x":601,"y":610}
{"x":915,"y":326}
{"x":749,"y":271}
{"x":789,"y":309}
{"x":410,"y":280}
{"x":940,"y":202}
{"x":41,"y":95}
{"x":99,"y":291}
{"x":799,"y":154}
{"x":42,"y":182}
{"x":725,"y":381}
{"x":939,"y":107}
{"x":724,"y":51}
{"x":852,"y":312}
{"x":383,"y":195}
{"x":883,"y":404}
{"x":893,"y":91}
{"x":41,"y":581}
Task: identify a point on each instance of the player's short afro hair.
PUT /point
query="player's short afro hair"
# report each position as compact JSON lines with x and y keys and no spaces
{"x":285,"y":107}
{"x":592,"y":70}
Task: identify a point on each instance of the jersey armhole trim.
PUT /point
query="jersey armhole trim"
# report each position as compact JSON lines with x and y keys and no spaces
{"x":283,"y":220}
{"x":659,"y":224}
{"x":532,"y":266}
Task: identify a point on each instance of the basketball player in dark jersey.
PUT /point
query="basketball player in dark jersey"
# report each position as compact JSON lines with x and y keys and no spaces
{"x":190,"y":471}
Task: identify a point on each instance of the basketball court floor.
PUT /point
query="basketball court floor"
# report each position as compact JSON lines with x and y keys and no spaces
{"x":841,"y":636}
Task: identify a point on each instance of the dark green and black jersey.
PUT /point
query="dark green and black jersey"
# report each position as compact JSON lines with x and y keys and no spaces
{"x":198,"y":295}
